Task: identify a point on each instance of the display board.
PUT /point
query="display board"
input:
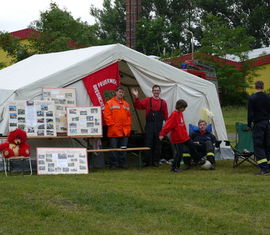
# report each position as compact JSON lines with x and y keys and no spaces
{"x":63,"y":98}
{"x":53,"y":161}
{"x":36,"y":117}
{"x":84,"y":121}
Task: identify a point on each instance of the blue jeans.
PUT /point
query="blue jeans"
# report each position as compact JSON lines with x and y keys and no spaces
{"x":117,"y":142}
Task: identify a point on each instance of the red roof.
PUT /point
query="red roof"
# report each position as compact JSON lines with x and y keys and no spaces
{"x":24,"y":33}
{"x":30,"y":33}
{"x":259,"y":61}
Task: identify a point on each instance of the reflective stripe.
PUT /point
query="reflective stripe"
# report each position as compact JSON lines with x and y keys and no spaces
{"x":186,"y":155}
{"x":262,"y":161}
{"x":210,"y":154}
{"x":127,"y":108}
{"x":268,"y":162}
{"x":115,"y":107}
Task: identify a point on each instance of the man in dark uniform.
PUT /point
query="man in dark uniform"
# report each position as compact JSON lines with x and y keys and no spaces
{"x":258,"y":119}
{"x":204,"y":142}
{"x":156,"y":113}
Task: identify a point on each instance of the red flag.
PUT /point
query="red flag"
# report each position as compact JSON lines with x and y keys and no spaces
{"x":97,"y":83}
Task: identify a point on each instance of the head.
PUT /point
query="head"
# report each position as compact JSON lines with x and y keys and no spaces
{"x":17,"y":136}
{"x":119,"y":92}
{"x":259,"y":85}
{"x":156,"y":91}
{"x":181,"y":105}
{"x":202,"y":125}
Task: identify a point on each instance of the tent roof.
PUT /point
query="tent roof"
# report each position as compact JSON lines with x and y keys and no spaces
{"x":46,"y":67}
{"x":42,"y":66}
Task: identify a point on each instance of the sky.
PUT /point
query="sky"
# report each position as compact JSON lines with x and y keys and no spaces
{"x":18,"y":14}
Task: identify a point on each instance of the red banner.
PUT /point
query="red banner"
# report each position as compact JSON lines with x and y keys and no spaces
{"x":103,"y":80}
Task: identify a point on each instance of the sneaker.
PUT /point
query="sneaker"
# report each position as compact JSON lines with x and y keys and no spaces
{"x":163,"y":161}
{"x":201,"y":162}
{"x":176,"y":170}
{"x":263,"y":172}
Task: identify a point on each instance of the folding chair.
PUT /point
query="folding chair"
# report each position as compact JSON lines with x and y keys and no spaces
{"x":243,"y":150}
{"x":7,"y":164}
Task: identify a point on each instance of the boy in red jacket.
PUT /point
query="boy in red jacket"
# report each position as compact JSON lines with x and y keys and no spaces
{"x":179,"y":135}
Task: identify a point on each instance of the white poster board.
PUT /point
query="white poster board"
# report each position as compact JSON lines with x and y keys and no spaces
{"x":84,"y":121}
{"x":36,"y":117}
{"x":54,"y":161}
{"x":63,"y":98}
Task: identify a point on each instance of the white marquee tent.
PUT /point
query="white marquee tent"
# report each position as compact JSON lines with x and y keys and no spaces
{"x":25,"y":80}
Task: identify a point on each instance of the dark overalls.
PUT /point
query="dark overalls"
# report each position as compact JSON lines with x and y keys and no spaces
{"x":259,"y":114}
{"x":154,"y":121}
{"x":261,"y":137}
{"x":205,"y":147}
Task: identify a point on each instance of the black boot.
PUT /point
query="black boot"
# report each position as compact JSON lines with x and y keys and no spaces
{"x":176,"y":170}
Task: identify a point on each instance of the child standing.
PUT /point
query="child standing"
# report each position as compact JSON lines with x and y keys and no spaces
{"x":179,"y":135}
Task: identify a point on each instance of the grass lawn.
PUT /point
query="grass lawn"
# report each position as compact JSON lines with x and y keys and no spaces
{"x":232,"y":115}
{"x":147,"y":201}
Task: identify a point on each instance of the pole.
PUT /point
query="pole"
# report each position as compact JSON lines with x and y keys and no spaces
{"x":192,"y":43}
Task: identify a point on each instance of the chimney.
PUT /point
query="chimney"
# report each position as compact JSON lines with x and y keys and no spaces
{"x":133,"y":11}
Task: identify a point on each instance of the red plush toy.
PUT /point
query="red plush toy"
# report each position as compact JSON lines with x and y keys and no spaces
{"x":15,"y":145}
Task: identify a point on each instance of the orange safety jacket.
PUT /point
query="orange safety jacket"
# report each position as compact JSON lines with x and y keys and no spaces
{"x":117,"y":117}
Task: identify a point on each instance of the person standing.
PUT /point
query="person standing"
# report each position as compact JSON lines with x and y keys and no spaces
{"x":156,"y":112}
{"x":118,"y":119}
{"x":179,"y":135}
{"x":258,"y":120}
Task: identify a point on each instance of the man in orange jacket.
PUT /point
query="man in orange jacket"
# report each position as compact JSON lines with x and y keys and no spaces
{"x":118,"y":119}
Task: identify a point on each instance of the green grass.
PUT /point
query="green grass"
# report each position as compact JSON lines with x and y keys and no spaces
{"x":148,"y":201}
{"x":233,"y":114}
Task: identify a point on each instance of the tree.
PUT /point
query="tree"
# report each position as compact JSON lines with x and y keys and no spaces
{"x":59,"y":31}
{"x":110,"y":22}
{"x":14,"y":48}
{"x":249,"y":14}
{"x":167,"y":20}
{"x":220,"y":39}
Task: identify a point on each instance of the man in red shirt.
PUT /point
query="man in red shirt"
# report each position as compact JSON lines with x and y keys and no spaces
{"x":156,"y":112}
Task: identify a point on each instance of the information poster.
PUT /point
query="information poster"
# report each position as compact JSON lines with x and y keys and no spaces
{"x":63,"y":98}
{"x":84,"y":121}
{"x":53,"y":161}
{"x":36,"y":117}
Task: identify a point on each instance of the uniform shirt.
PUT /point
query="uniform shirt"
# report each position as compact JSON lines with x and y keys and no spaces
{"x":145,"y":104}
{"x":258,"y":107}
{"x":117,"y":117}
{"x":176,"y":125}
{"x":202,"y":137}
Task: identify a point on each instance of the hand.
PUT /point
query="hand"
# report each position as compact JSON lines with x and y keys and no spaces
{"x":134,"y":92}
{"x":161,"y":138}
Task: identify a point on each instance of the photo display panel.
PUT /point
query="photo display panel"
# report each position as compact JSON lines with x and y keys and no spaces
{"x":54,"y":161}
{"x":36,"y":117}
{"x":84,"y":121}
{"x":63,"y":98}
